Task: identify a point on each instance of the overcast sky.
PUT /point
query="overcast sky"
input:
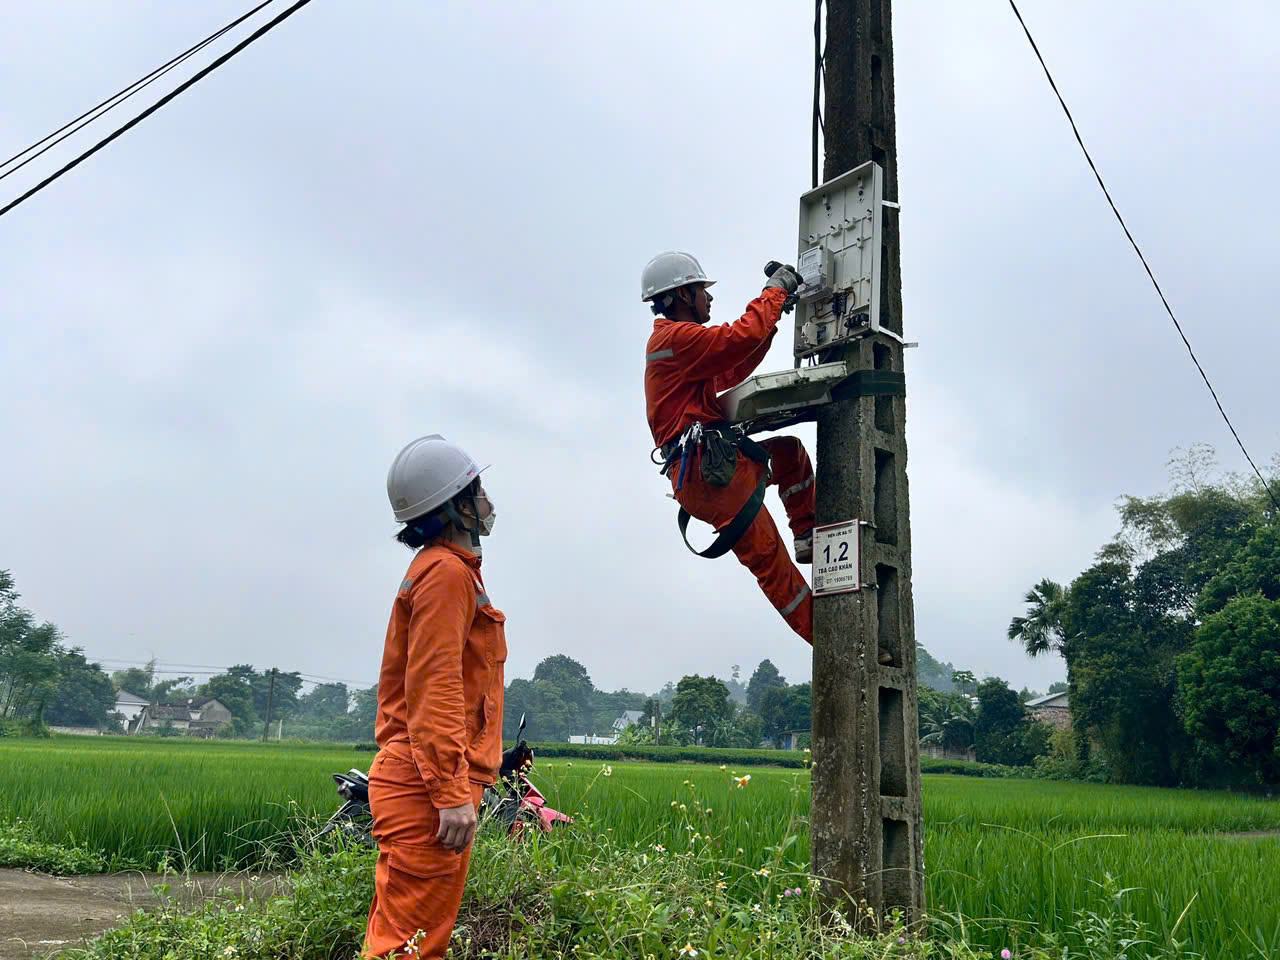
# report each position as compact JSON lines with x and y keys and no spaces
{"x":388,"y":220}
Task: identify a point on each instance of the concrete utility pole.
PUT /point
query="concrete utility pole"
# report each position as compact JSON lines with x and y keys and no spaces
{"x":271,"y":692}
{"x":866,"y":826}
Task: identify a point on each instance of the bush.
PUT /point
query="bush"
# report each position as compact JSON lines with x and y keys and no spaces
{"x":21,"y":847}
{"x":23,"y":728}
{"x":1062,"y":761}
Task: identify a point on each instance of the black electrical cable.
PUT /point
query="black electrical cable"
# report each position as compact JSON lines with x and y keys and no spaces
{"x":208,"y":670}
{"x":817,"y":83}
{"x":121,"y":96}
{"x":1136,"y":249}
{"x":271,"y":24}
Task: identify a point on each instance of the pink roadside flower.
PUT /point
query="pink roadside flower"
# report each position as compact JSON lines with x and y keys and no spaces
{"x":1005,"y":954}
{"x":797,"y":891}
{"x":786,"y":892}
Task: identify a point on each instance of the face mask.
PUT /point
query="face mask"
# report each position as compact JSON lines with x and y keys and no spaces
{"x":486,"y":525}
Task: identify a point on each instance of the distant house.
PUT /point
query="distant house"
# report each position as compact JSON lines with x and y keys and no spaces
{"x":198,"y":717}
{"x":1052,"y":710}
{"x":629,"y":718}
{"x":607,"y":741}
{"x":130,"y":707}
{"x":790,"y":739}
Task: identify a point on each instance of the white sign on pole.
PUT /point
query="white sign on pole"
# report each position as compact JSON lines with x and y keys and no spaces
{"x":837,"y":558}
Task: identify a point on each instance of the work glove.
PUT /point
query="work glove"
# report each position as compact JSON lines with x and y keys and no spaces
{"x":784,"y":277}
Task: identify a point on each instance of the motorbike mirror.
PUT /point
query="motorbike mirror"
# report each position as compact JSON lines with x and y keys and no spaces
{"x":522,"y":716}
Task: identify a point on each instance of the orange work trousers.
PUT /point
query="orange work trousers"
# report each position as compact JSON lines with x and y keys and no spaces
{"x":418,"y":884}
{"x":761,"y":550}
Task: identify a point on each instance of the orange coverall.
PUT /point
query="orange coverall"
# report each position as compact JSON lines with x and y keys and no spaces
{"x":686,"y":365}
{"x":439,"y":730}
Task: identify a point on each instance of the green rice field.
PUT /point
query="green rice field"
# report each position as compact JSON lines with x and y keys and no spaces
{"x":1198,"y":867}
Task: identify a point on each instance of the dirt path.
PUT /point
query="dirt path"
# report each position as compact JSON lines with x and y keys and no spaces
{"x":40,"y":914}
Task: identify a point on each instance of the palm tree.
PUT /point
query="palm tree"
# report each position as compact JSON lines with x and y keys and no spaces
{"x":948,"y":722}
{"x":1042,"y":629}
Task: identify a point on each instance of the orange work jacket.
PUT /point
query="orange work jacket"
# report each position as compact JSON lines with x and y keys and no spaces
{"x":687,"y":364}
{"x":441,"y":685}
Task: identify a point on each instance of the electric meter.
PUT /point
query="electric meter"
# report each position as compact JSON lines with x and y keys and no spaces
{"x":839,"y":261}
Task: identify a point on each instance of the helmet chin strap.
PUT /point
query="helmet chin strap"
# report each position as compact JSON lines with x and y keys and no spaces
{"x":459,"y":521}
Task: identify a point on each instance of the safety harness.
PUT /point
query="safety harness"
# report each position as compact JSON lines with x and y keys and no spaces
{"x":717,"y":447}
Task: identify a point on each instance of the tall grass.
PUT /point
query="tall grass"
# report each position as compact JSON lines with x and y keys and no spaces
{"x":1013,"y":857}
{"x":203,"y":805}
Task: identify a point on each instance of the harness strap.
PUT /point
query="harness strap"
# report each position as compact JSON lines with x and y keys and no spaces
{"x":736,"y":527}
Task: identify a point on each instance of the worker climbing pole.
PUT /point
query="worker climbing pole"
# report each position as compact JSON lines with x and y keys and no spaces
{"x":851,"y":521}
{"x":718,"y":473}
{"x":866,"y":824}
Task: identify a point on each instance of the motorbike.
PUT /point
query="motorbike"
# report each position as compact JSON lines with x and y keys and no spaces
{"x":514,"y":801}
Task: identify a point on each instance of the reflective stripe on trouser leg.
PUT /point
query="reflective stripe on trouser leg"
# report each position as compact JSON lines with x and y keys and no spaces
{"x":760,"y":549}
{"x":793,"y":473}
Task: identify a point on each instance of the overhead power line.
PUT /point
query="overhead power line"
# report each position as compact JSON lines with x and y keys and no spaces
{"x":113,"y":101}
{"x":264,"y":29}
{"x":210,"y":670}
{"x":1138,"y":250}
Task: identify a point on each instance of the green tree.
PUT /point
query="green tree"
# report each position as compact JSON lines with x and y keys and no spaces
{"x":666,"y":695}
{"x":28,"y":658}
{"x":945,"y":719}
{"x":766,"y":677}
{"x":324,"y":702}
{"x":965,"y":681}
{"x":606,"y":707}
{"x":363,"y":715}
{"x":1041,"y":630}
{"x":737,"y":689}
{"x":561,"y":701}
{"x":283,"y":698}
{"x":749,"y":730}
{"x":786,"y":708}
{"x":1122,"y":675}
{"x":1254,"y":569}
{"x":1230,"y":687}
{"x":136,"y":680}
{"x":999,"y":720}
{"x":1058,"y":686}
{"x":701,"y":702}
{"x":931,"y":672}
{"x":84,"y":696}
{"x":172,"y":690}
{"x":517,"y":700}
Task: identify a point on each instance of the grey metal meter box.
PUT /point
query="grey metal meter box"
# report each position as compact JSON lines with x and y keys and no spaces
{"x":839,"y":260}
{"x":771,"y":401}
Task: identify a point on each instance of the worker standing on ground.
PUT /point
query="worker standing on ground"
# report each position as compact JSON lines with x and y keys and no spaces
{"x":714,"y":469}
{"x":439,"y":722}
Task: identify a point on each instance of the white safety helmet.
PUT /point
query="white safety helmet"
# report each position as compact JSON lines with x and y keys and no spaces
{"x":670,"y":270}
{"x":426,"y":474}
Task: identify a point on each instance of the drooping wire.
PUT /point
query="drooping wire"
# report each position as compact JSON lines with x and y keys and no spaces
{"x":265,"y":28}
{"x":113,"y":101}
{"x":209,"y":670}
{"x":1138,"y":250}
{"x":818,"y":125}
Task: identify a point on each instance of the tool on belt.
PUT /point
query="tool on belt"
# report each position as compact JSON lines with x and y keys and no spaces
{"x":719,"y":445}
